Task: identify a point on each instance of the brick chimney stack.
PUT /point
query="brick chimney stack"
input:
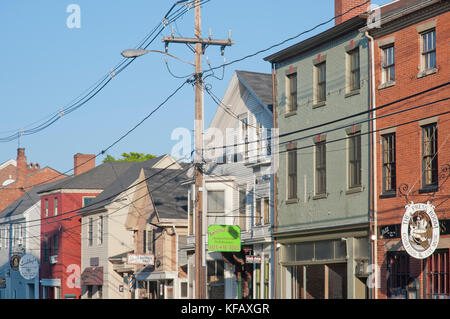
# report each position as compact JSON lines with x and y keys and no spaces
{"x":341,"y":6}
{"x":22,"y":166}
{"x":83,"y":163}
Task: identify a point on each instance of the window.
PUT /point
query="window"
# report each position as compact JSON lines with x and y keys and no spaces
{"x":321,"y":82}
{"x":398,"y":274}
{"x":46,"y":208}
{"x":438,"y":275}
{"x":243,"y":209}
{"x":429,"y":50}
{"x":266,"y":211}
{"x":292,"y":92}
{"x":191,"y":214}
{"x":354,"y":69}
{"x":354,"y":163}
{"x":56,"y":206}
{"x":389,"y":172}
{"x":55,"y":244}
{"x":184,"y":289}
{"x":258,"y":212}
{"x":257,"y":281}
{"x":100,"y":291}
{"x":388,"y":65}
{"x":216,"y":206}
{"x":87,"y":200}
{"x":292,"y":174}
{"x":266,"y":277}
{"x":321,"y":168}
{"x":90,"y":291}
{"x":215,"y":279}
{"x":100,"y":230}
{"x":45,"y":249}
{"x":429,"y":155}
{"x":90,"y":231}
{"x":245,"y":136}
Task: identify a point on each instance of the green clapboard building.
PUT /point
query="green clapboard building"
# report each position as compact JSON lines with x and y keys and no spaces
{"x":322,"y":181}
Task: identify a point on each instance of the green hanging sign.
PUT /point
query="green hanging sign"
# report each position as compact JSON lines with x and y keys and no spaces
{"x":224,"y":238}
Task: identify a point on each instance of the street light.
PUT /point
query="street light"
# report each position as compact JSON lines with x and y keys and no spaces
{"x":134,"y":53}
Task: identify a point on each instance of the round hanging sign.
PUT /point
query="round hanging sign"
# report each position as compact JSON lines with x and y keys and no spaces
{"x":29,"y":267}
{"x":420,"y":230}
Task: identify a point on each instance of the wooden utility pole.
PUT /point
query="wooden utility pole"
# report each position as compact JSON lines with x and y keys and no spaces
{"x":200,"y":46}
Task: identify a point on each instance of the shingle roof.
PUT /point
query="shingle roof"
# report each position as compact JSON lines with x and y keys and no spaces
{"x":168,"y":193}
{"x":259,"y":83}
{"x":29,"y":199}
{"x":120,"y":183}
{"x":99,"y":177}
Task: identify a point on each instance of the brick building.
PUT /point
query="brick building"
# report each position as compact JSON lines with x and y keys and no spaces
{"x":18,"y":176}
{"x":412,"y":147}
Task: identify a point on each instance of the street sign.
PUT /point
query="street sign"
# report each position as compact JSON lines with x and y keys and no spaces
{"x":249,"y":259}
{"x":224,"y":238}
{"x":141,"y":259}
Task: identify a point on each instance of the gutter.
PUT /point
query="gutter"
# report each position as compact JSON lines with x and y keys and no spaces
{"x":373,"y":199}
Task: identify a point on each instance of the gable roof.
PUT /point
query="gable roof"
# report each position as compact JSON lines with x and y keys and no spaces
{"x":99,"y":177}
{"x":259,"y":84}
{"x":22,"y":204}
{"x":168,"y":193}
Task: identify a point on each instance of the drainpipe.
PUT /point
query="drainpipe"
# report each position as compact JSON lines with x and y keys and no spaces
{"x":274,"y":177}
{"x":373,"y":199}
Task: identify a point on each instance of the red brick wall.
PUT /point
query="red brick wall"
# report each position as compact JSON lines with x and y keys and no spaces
{"x":408,"y":137}
{"x":341,"y":6}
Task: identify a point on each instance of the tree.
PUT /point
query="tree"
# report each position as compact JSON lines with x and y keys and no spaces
{"x":129,"y":157}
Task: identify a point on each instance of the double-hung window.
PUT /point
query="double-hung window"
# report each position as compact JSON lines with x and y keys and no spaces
{"x":90,"y":231}
{"x":321,"y":168}
{"x":429,"y":49}
{"x":243,"y":208}
{"x":389,"y":169}
{"x":216,"y":206}
{"x":388,"y":64}
{"x":292,"y":92}
{"x":321,"y":78}
{"x":354,"y":70}
{"x":56,"y":206}
{"x":100,"y":230}
{"x":354,"y":160}
{"x":429,"y":155}
{"x":292,"y":174}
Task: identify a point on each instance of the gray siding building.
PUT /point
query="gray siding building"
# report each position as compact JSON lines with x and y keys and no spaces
{"x":322,"y":182}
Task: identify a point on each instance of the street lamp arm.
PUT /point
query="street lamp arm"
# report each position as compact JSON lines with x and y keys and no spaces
{"x":139,"y":52}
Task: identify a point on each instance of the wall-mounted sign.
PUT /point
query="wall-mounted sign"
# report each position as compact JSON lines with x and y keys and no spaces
{"x":420,"y":230}
{"x":121,"y":288}
{"x":249,"y":259}
{"x":141,"y":259}
{"x":224,"y":238}
{"x":14,"y":262}
{"x":29,"y":266}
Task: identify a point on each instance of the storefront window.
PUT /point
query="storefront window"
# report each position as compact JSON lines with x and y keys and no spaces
{"x":438,"y":275}
{"x":398,"y":275}
{"x":216,"y":282}
{"x":257,"y":281}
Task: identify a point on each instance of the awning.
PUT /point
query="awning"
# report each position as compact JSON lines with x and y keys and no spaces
{"x":51,"y":282}
{"x":92,"y":276}
{"x":157,"y":275}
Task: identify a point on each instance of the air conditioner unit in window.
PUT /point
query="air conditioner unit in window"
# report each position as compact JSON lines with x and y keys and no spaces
{"x":361,"y":268}
{"x":54,"y":259}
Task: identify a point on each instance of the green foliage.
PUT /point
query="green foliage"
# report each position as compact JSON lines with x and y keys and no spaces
{"x":129,"y":157}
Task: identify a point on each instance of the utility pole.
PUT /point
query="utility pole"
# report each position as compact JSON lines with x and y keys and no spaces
{"x":200,"y":46}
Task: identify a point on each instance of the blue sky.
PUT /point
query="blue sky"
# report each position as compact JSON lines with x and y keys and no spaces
{"x":45,"y":65}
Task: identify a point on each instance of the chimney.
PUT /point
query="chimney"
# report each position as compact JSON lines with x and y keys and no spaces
{"x":22,"y":166}
{"x":83,"y":163}
{"x":341,"y":6}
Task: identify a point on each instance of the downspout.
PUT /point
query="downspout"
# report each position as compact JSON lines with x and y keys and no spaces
{"x":373,"y":199}
{"x":274,"y":183}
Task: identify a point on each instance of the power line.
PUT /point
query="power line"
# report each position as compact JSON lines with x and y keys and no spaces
{"x":82,"y":99}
